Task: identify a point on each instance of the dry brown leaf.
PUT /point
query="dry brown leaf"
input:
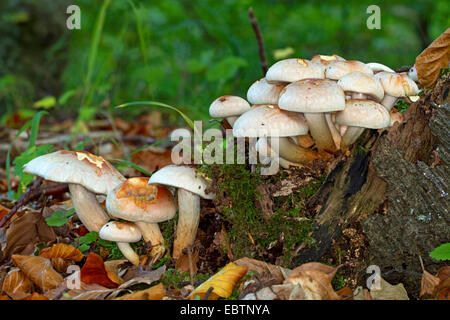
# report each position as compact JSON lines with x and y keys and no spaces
{"x":112,"y":270}
{"x":4,"y":297}
{"x":435,"y":57}
{"x":153,"y":159}
{"x":222,"y":282}
{"x":153,"y":293}
{"x":3,"y":211}
{"x":62,"y":250}
{"x":428,"y":285}
{"x":39,"y":270}
{"x":25,"y":231}
{"x":443,"y":273}
{"x":60,"y":264}
{"x":184,"y":264}
{"x":277,"y":273}
{"x":345,"y":293}
{"x":17,"y":285}
{"x":443,"y":290}
{"x":93,"y":271}
{"x":315,"y":279}
{"x":35,"y":296}
{"x":388,"y":291}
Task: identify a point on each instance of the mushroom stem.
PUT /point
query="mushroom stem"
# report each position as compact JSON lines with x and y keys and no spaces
{"x":358,"y":95}
{"x":334,"y":132}
{"x":320,"y":131}
{"x":88,"y":209}
{"x":152,"y":234}
{"x":388,"y":101}
{"x":128,"y":252}
{"x":294,"y":153}
{"x":267,"y":154}
{"x":188,"y":219}
{"x":350,"y":136}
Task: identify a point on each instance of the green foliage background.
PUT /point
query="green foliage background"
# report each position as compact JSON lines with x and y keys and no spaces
{"x":187,"y":53}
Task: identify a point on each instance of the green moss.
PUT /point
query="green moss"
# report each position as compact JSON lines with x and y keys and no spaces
{"x":251,"y":234}
{"x":174,"y":277}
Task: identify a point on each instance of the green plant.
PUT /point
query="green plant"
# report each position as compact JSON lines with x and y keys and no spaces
{"x":402,"y":105}
{"x":59,"y":217}
{"x":29,"y":154}
{"x":442,"y":252}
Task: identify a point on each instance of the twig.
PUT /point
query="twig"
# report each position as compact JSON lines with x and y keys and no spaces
{"x":402,"y":69}
{"x":32,"y":193}
{"x":206,"y":296}
{"x":259,"y":38}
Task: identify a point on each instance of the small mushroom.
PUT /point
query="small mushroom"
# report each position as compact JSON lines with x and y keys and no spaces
{"x":378,"y":67}
{"x":123,"y":233}
{"x":290,"y":70}
{"x":396,"y":85}
{"x":314,"y":97}
{"x":263,"y":92}
{"x":271,"y":121}
{"x":359,"y":115}
{"x":191,"y":187}
{"x":361,"y":86}
{"x":229,"y":107}
{"x":86,"y":174}
{"x":146,"y":205}
{"x":337,"y":69}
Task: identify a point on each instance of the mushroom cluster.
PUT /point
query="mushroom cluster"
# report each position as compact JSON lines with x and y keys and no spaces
{"x":140,"y":204}
{"x":315,"y":107}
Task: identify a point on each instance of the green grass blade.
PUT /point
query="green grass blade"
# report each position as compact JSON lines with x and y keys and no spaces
{"x":131,"y":165}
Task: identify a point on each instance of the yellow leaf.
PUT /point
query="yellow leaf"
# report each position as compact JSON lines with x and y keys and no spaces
{"x":222,"y":282}
{"x":17,"y":285}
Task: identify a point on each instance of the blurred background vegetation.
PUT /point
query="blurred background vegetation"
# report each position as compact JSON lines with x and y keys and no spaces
{"x":185,"y":53}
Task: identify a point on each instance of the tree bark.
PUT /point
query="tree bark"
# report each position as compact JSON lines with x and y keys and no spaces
{"x":396,"y":192}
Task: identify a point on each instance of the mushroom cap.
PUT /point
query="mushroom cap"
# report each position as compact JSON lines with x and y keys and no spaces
{"x":78,"y":167}
{"x":182,"y":177}
{"x":397,"y":84}
{"x":363,"y":113}
{"x":263,"y":92}
{"x":136,"y":200}
{"x":378,"y":67}
{"x":290,"y":70}
{"x":326,"y":59}
{"x":228,"y":106}
{"x":120,"y":232}
{"x":269,"y":121}
{"x":337,"y":69}
{"x":362,"y":83}
{"x":312,"y":96}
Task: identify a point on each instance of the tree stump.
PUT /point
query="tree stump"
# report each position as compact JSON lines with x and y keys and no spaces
{"x":395,"y":193}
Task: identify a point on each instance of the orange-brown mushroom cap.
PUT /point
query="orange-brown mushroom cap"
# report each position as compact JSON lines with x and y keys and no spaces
{"x":136,"y":200}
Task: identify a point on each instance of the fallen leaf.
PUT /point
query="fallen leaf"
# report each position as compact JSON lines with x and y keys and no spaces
{"x":39,"y":270}
{"x":443,"y":273}
{"x":388,"y":291}
{"x":3,"y":211}
{"x":60,"y":264}
{"x":93,"y":271}
{"x":435,"y":57}
{"x":153,"y":293}
{"x":35,"y":296}
{"x":17,"y":285}
{"x":4,"y":297}
{"x":315,"y":280}
{"x":25,"y":231}
{"x":85,"y":291}
{"x":112,"y":270}
{"x":277,"y":273}
{"x":345,"y":293}
{"x":222,"y":282}
{"x":183,"y":263}
{"x":443,"y":290}
{"x":64,"y":251}
{"x":142,"y":276}
{"x":153,"y":159}
{"x":428,"y":285}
